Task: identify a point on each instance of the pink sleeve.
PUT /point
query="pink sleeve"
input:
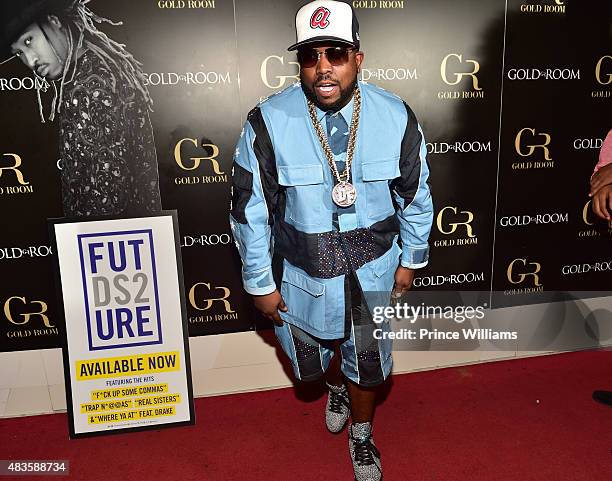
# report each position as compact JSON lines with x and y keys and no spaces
{"x":605,"y":154}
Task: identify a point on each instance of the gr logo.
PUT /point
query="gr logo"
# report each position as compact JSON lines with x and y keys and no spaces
{"x":212,"y":154}
{"x":120,"y":289}
{"x":519,"y":270}
{"x":445,"y":226}
{"x":16,"y":161}
{"x":19,"y":311}
{"x":587,"y":213}
{"x":203,"y":295}
{"x":275,"y":63}
{"x":604,"y":78}
{"x":451,"y":63}
{"x":527,"y":138}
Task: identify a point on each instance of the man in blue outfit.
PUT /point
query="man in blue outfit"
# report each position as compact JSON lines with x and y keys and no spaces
{"x":330,"y":204}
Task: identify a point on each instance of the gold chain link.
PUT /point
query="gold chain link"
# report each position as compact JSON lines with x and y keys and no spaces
{"x":346,"y":175}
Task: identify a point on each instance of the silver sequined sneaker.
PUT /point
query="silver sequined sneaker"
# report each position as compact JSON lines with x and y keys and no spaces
{"x":365,"y":456}
{"x":337,"y":409}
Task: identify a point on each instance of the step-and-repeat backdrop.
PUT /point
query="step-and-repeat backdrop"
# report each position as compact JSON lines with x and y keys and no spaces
{"x":514,"y":98}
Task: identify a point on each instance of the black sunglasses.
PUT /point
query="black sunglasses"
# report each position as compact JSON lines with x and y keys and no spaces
{"x":308,"y":57}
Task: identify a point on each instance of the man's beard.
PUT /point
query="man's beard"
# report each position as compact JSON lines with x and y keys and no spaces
{"x":345,"y":95}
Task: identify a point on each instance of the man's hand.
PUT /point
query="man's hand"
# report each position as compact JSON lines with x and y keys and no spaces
{"x":403,"y":281}
{"x":269,"y":305}
{"x":602,"y":203}
{"x":601,"y":178}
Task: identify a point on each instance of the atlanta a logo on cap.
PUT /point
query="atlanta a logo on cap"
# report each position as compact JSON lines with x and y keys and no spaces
{"x":320,"y":18}
{"x":325,"y":21}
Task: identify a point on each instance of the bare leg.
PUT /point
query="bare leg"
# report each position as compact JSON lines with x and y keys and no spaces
{"x":333,"y":375}
{"x":362,"y":402}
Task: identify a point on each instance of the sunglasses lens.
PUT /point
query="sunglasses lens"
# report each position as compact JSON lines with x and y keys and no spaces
{"x":307,"y":58}
{"x":337,"y":55}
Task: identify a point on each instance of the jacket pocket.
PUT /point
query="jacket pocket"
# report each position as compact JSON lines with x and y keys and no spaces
{"x":384,"y":268}
{"x":304,"y":297}
{"x":376,"y":177}
{"x":305,"y":187}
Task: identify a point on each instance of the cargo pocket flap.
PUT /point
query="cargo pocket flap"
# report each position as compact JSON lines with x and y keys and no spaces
{"x":383,"y":169}
{"x":300,"y":174}
{"x":305,"y":283}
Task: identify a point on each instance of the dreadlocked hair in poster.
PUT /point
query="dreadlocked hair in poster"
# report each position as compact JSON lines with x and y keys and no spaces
{"x":80,"y":24}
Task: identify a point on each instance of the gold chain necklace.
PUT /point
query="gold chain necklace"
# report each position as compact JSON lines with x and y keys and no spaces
{"x":343,"y":193}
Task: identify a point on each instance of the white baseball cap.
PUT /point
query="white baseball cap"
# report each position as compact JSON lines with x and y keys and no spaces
{"x":326,"y":20}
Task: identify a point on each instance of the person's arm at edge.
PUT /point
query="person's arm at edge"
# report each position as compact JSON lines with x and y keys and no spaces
{"x":601,"y":181}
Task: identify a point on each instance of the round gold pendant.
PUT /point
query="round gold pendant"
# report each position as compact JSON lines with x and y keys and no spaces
{"x":344,"y":194}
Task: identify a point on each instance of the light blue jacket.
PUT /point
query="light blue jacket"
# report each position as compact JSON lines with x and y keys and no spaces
{"x":281,"y":215}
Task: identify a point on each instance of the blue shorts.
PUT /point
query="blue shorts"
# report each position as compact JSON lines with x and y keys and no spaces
{"x":366,"y":361}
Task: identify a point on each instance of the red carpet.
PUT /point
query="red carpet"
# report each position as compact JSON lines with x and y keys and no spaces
{"x":478,"y":422}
